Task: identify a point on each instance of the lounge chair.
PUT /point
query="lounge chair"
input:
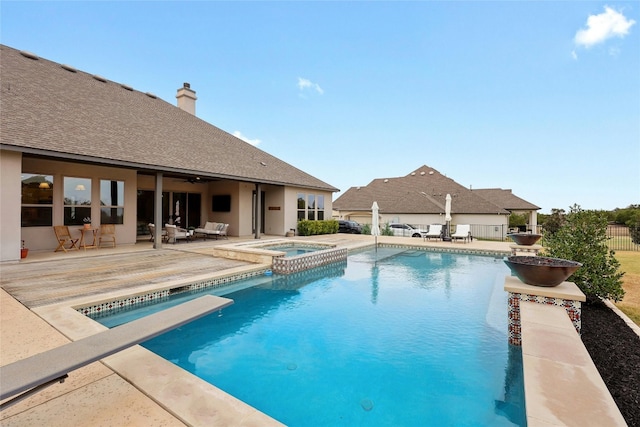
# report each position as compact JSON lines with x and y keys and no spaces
{"x":175,"y":233}
{"x":212,"y":229}
{"x":64,"y":237}
{"x":107,"y":234}
{"x":435,"y":231}
{"x":463,"y":231}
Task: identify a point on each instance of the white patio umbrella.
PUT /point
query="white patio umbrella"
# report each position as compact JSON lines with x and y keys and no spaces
{"x":447,"y":208}
{"x":447,"y":217}
{"x":375,"y":227}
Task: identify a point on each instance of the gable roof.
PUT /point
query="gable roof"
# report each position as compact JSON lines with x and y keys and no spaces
{"x":422,"y":191}
{"x":506,"y":199}
{"x":53,"y":110}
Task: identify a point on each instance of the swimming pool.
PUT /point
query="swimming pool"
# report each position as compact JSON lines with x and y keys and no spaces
{"x":393,"y":337}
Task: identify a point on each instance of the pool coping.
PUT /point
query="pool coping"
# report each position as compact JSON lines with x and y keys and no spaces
{"x":562,"y":385}
{"x":187,"y":397}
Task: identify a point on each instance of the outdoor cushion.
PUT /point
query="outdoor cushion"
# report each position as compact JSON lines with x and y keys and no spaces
{"x":212,"y":229}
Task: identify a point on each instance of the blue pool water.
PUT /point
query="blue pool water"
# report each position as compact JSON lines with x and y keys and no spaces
{"x":293,"y":250}
{"x":389,"y":338}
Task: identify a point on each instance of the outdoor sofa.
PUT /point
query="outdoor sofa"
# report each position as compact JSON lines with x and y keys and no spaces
{"x":217,"y":229}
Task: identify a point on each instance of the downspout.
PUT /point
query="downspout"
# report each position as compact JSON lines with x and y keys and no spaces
{"x":257,"y":211}
{"x":157,"y":216}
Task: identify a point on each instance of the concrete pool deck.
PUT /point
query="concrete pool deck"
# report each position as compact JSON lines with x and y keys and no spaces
{"x":133,"y":387}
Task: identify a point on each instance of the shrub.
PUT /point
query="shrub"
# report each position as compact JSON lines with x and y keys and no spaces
{"x":366,"y":229}
{"x":386,"y":230}
{"x":313,"y":228}
{"x":583,"y":238}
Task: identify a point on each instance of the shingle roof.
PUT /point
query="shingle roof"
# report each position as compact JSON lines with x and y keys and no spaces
{"x":54,"y":110}
{"x":505,"y":199}
{"x":422,"y":191}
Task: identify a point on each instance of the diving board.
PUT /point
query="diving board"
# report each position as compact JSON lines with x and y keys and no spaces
{"x":53,"y":365}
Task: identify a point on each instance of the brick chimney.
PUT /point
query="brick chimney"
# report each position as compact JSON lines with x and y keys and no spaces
{"x":187,"y":99}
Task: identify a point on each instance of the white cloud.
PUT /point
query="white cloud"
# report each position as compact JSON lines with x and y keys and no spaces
{"x":239,"y":135}
{"x":305,"y":84}
{"x":602,"y":27}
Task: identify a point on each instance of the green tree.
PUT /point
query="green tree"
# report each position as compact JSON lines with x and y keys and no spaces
{"x":583,"y":238}
{"x":553,"y":222}
{"x":628,"y":216}
{"x":516,"y":220}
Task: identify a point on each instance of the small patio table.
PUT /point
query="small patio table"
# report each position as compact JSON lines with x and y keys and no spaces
{"x":83,"y":242}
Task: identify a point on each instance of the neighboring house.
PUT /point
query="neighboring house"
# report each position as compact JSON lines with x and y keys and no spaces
{"x":509,"y":201}
{"x":75,"y":145}
{"x":419,"y":198}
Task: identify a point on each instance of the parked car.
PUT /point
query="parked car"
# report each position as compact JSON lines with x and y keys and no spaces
{"x":406,"y":230}
{"x":352,"y":227}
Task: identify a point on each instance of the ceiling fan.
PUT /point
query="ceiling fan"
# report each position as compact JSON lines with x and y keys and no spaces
{"x":195,"y":180}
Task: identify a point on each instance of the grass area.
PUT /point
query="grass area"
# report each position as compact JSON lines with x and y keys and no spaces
{"x":630,"y":264}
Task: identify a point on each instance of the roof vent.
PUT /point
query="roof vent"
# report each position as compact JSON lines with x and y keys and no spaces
{"x":430,"y":172}
{"x":99,"y":78}
{"x":413,"y":174}
{"x":263,"y":163}
{"x":386,"y":180}
{"x":422,"y":173}
{"x":127,"y":87}
{"x":151,"y":95}
{"x":29,"y":55}
{"x":69,"y":68}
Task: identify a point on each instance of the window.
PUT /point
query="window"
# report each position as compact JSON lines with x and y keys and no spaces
{"x":111,"y":202}
{"x":310,"y":207}
{"x":77,"y":200}
{"x":311,"y":211}
{"x":320,"y":208}
{"x":37,"y":200}
{"x":302,"y":207}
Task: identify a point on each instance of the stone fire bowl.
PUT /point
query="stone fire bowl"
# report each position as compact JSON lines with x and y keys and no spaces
{"x":541,"y":271}
{"x":525,"y":239}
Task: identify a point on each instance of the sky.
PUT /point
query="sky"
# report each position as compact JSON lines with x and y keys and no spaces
{"x":540,"y":97}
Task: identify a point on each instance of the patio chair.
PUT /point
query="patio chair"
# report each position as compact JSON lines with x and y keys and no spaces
{"x":107,"y":234}
{"x":175,"y":233}
{"x":463,"y":232}
{"x":64,"y":237}
{"x":152,"y":231}
{"x":435,"y":231}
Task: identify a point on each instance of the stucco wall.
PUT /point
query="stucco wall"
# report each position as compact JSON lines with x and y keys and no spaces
{"x":274,"y":210}
{"x":10,"y":194}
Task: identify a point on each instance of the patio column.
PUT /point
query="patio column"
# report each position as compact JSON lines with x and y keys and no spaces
{"x":258,"y":209}
{"x":157,"y":216}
